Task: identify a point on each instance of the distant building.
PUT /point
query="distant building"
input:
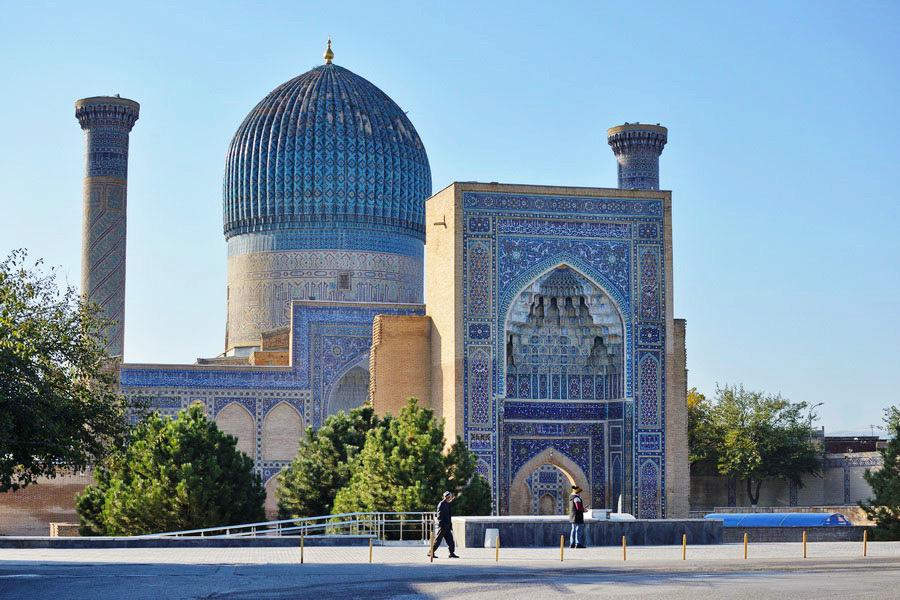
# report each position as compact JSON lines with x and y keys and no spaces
{"x":848,"y":444}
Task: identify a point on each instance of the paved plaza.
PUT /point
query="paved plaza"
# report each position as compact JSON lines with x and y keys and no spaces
{"x":832,"y":570}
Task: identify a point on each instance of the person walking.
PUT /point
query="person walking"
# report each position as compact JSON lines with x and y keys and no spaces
{"x":445,"y":527}
{"x":576,"y":518}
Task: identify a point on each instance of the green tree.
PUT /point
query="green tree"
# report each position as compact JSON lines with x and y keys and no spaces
{"x":702,"y":438}
{"x":755,"y":436}
{"x":59,"y":408}
{"x":891,"y":419}
{"x":402,"y":468}
{"x":174,"y":475}
{"x":884,"y":506}
{"x":323,"y":464}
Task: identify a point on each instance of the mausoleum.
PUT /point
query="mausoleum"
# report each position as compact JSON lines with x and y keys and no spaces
{"x":537,"y":321}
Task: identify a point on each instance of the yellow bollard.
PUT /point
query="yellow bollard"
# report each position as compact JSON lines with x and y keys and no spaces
{"x":497,"y":550}
{"x":745,"y":545}
{"x":804,"y":544}
{"x":431,"y":548}
{"x":370,"y":550}
{"x":624,"y":556}
{"x":302,"y":538}
{"x":562,"y":543}
{"x":865,"y":540}
{"x":683,"y":546}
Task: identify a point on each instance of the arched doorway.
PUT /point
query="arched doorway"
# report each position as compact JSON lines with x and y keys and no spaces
{"x":550,"y":489}
{"x":548,"y":473}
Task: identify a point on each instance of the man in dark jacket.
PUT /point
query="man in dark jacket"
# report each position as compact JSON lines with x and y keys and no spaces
{"x":445,"y":526}
{"x":576,"y":518}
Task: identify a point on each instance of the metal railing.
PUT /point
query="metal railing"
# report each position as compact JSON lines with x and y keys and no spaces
{"x":384,"y":526}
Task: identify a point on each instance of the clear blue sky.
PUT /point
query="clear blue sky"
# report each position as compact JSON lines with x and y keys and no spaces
{"x":784,"y":146}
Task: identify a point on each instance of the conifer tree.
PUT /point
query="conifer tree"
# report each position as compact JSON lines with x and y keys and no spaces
{"x":323,"y":464}
{"x":402,"y":468}
{"x":884,"y":506}
{"x":175,"y":475}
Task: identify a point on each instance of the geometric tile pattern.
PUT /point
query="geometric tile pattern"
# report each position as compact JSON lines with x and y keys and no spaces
{"x":582,"y":443}
{"x":261,"y":285}
{"x":324,"y":199}
{"x":328,"y":339}
{"x":551,"y":389}
{"x":106,"y":123}
{"x":322,"y":149}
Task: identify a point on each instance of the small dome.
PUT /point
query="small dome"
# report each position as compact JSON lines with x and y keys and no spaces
{"x":326,"y":149}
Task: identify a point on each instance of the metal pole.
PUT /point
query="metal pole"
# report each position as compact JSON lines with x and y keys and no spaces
{"x":804,"y":544}
{"x":745,"y":545}
{"x":370,"y":550}
{"x":497,"y":550}
{"x":624,"y":551}
{"x":302,"y":540}
{"x":431,"y":548}
{"x":561,"y":545}
{"x":683,"y":546}
{"x":865,"y":540}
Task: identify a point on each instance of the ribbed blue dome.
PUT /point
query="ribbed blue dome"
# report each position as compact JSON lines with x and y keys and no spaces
{"x":326,"y":149}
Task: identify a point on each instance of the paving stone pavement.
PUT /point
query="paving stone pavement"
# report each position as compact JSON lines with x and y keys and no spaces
{"x":834,"y":570}
{"x":418,"y":554}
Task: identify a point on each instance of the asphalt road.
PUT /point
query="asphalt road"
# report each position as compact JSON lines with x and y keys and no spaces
{"x":524,"y":574}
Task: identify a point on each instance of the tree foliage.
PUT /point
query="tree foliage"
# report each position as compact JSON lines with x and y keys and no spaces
{"x":323,"y":464}
{"x":701,"y":437}
{"x":59,"y":408}
{"x":402,"y":468}
{"x":174,"y":475}
{"x":884,"y":506}
{"x":753,"y":436}
{"x":891,"y":420}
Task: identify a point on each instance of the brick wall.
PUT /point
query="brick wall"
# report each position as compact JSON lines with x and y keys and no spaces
{"x":400,"y":363}
{"x":31,"y":510}
{"x":678,"y":479}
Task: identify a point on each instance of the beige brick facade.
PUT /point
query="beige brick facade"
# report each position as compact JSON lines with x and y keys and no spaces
{"x":677,"y":464}
{"x":443,"y":299}
{"x":400,"y":363}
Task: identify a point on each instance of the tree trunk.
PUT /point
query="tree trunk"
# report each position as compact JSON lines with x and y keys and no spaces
{"x":752,"y":494}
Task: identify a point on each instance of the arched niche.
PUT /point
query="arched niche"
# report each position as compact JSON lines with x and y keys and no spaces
{"x":520,"y":494}
{"x":351,"y":390}
{"x":282,"y":431}
{"x":237,"y":420}
{"x":564,"y":338}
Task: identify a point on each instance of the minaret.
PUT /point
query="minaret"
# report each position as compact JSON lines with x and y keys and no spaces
{"x":637,"y":148}
{"x":106,"y":122}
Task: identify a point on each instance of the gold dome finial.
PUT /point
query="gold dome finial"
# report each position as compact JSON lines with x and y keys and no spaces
{"x":328,"y":53}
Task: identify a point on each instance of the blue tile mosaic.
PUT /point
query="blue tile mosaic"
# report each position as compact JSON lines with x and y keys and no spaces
{"x":511,"y":241}
{"x":325,"y":149}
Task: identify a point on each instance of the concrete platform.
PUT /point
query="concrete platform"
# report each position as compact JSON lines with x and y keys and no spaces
{"x":524,"y":532}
